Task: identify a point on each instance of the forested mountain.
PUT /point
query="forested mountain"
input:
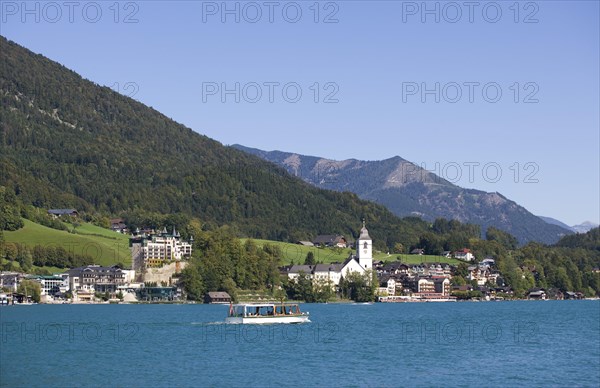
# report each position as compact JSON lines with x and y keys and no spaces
{"x":66,"y":142}
{"x":409,"y":190}
{"x":589,"y":240}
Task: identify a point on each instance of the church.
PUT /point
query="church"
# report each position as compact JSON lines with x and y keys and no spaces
{"x":361,"y":262}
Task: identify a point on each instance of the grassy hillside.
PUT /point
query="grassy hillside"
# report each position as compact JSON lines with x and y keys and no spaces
{"x":104,"y":246}
{"x":297,"y":253}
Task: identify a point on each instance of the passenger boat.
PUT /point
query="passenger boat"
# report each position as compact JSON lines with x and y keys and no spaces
{"x":264,"y":313}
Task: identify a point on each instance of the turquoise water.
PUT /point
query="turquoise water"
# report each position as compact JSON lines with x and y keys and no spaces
{"x":542,"y":343}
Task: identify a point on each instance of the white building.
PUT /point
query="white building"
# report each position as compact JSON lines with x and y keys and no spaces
{"x":464,"y":254}
{"x":360,"y":263}
{"x":154,"y":250}
{"x":364,"y":249}
{"x":10,"y":280}
{"x":94,"y":278}
{"x":50,"y":285}
{"x":388,"y":288}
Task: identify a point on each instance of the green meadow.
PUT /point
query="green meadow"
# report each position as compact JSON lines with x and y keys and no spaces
{"x":296,"y":253}
{"x":107,"y":247}
{"x":104,"y":246}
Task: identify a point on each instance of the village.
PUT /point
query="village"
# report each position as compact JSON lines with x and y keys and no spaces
{"x":158,"y":257}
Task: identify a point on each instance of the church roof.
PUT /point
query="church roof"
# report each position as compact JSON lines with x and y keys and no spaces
{"x":333,"y":267}
{"x":364,"y":233}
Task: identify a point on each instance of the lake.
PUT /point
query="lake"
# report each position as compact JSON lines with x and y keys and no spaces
{"x":512,"y":343}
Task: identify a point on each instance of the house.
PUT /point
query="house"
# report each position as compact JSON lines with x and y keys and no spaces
{"x":417,"y":251}
{"x":488,"y":261}
{"x":464,"y":254}
{"x":330,"y":240}
{"x":94,"y":278}
{"x":434,"y":285}
{"x":63,"y":212}
{"x":573,"y":295}
{"x":463,"y":288}
{"x":387,"y":287}
{"x":395,"y":268}
{"x":378,"y":265}
{"x":446,"y":254}
{"x":296,"y":270}
{"x":504,"y":290}
{"x":306,"y":243}
{"x":329,"y":273}
{"x":217,"y":297}
{"x":537,"y":294}
{"x":425,"y":286}
{"x":10,"y":280}
{"x":118,"y":225}
{"x":441,"y":285}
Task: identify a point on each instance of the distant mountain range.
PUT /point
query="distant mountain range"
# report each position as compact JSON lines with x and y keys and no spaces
{"x":584,"y":227}
{"x":554,"y":221}
{"x":409,"y":190}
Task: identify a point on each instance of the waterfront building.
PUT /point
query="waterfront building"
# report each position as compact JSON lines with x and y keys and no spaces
{"x":94,"y":278}
{"x":157,"y":249}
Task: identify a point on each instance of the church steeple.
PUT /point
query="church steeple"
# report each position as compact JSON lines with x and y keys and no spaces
{"x":364,"y":248}
{"x":364,"y":233}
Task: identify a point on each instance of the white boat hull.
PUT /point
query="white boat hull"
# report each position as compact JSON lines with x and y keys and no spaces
{"x":268,"y":320}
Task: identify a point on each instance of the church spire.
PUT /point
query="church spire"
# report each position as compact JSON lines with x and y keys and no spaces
{"x":364,"y":249}
{"x":364,"y":233}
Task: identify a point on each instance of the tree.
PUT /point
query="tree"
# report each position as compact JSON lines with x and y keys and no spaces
{"x":24,"y":258}
{"x":458,"y":280}
{"x":322,"y":290}
{"x":310,"y":259}
{"x":359,"y":287}
{"x":505,"y":239}
{"x":120,"y":295}
{"x":30,"y":288}
{"x":192,"y":282}
{"x":230,"y":287}
{"x":462,"y":270}
{"x":304,"y":287}
{"x":10,"y":251}
{"x":1,"y":244}
{"x":398,"y":248}
{"x":563,"y":282}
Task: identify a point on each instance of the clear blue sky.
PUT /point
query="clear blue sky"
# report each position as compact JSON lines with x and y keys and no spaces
{"x":376,"y":61}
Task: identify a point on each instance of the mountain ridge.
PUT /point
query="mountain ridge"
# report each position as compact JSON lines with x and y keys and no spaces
{"x":584,"y":227}
{"x":409,"y":190}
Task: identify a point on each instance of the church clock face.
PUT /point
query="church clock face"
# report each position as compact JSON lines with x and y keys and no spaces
{"x":365,"y":251}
